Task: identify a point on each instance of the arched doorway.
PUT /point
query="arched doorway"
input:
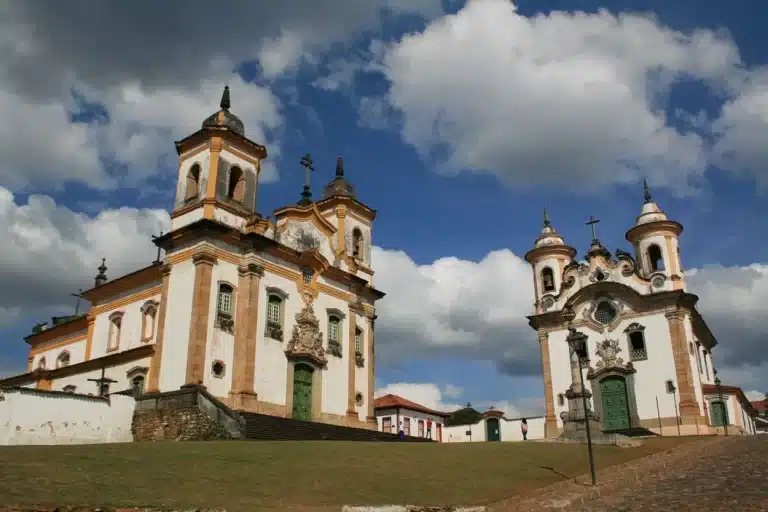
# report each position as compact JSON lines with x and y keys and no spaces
{"x":613,"y":395}
{"x":492,"y":429}
{"x":302,"y":392}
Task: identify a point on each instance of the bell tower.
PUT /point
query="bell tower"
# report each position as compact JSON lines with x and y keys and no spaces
{"x":655,"y":240}
{"x":548,"y":259}
{"x":218,"y":172}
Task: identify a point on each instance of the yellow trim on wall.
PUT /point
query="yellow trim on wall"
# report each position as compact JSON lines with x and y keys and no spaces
{"x":130,"y":299}
{"x":62,"y":343}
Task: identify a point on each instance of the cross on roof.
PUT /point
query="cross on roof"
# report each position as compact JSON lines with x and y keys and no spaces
{"x":591,"y":223}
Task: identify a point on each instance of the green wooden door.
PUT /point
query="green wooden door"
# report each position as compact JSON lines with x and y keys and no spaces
{"x":717,"y":414}
{"x":613,"y":392}
{"x":492,"y":432}
{"x":302,"y":392}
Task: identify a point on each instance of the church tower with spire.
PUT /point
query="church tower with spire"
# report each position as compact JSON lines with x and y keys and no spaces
{"x":655,"y":239}
{"x":549,"y":258}
{"x":218,"y":171}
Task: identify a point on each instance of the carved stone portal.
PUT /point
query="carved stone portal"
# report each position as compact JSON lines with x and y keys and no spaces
{"x":306,"y":339}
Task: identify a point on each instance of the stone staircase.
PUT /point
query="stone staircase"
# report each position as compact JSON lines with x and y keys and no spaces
{"x":274,"y":428}
{"x":635,"y":432}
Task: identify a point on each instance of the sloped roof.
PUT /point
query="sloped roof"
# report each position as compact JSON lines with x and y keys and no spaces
{"x":711,"y":389}
{"x":760,"y":406}
{"x":391,"y":401}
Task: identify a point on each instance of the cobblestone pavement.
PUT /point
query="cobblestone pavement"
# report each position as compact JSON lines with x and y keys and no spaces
{"x":732,"y":479}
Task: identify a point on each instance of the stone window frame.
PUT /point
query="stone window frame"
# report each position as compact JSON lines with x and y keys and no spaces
{"x":706,"y":363}
{"x":69,"y":388}
{"x":359,"y":399}
{"x":637,"y":330}
{"x":335,"y":345}
{"x":63,"y":359}
{"x":611,"y":305}
{"x":149,"y":311}
{"x":192,"y":183}
{"x":359,"y":340}
{"x":656,"y":262}
{"x":275,"y":329}
{"x":225,"y":320}
{"x":544,"y":271}
{"x":307,"y":275}
{"x":358,"y":244}
{"x":236,"y":191}
{"x":115,"y":330}
{"x":561,"y":400}
{"x":41,"y":363}
{"x":137,"y":372}
{"x":697,"y":347}
{"x":223,"y":372}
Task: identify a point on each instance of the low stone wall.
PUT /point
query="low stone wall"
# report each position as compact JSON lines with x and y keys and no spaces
{"x":189,"y":414}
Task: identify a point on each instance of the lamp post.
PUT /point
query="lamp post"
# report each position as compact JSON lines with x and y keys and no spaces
{"x":722,"y":403}
{"x":577,"y":342}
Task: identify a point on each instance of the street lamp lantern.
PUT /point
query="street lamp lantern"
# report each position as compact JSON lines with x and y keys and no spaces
{"x":577,"y":342}
{"x":724,"y":409}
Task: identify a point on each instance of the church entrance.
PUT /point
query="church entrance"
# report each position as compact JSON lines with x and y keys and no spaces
{"x":492,"y":432}
{"x":302,"y":392}
{"x":613,"y":393}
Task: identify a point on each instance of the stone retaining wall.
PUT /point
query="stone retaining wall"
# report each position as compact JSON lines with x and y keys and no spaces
{"x":189,"y":414}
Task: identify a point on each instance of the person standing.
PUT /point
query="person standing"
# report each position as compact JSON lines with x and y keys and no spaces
{"x":524,"y":429}
{"x":401,"y":432}
{"x":429,"y":428}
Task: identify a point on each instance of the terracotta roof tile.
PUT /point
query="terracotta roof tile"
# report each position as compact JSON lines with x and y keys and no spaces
{"x":390,"y":400}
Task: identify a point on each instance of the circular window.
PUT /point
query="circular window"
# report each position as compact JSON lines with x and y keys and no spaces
{"x":605,"y":313}
{"x":218,"y":369}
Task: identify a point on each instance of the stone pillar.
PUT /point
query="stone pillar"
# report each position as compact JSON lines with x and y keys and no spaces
{"x":370,"y":416}
{"x":153,"y":384}
{"x":204,"y":261}
{"x":689,"y":408}
{"x":550,"y":420}
{"x":351,"y":406}
{"x":246,"y":320}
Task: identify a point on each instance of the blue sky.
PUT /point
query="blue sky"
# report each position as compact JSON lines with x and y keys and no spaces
{"x":451,"y":190}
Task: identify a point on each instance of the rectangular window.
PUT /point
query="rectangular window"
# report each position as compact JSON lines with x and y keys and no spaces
{"x":307,"y":275}
{"x":273,"y":312}
{"x":421,"y":428}
{"x":407,"y":426}
{"x":333,"y":329}
{"x":225,"y":302}
{"x":358,"y":341}
{"x":386,"y":425}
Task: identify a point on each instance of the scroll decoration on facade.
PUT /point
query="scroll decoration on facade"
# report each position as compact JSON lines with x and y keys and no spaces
{"x":306,"y":338}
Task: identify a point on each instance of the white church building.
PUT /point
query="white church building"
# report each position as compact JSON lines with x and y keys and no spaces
{"x":272,"y":315}
{"x":648,"y":361}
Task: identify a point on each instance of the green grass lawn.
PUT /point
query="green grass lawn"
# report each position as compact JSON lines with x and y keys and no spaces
{"x":262,"y":475}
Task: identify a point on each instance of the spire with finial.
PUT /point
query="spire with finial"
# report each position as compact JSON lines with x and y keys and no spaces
{"x":225,"y":103}
{"x":339,"y":167}
{"x":646,"y":192}
{"x":306,"y":194}
{"x":101,"y":277}
{"x":546,"y":219}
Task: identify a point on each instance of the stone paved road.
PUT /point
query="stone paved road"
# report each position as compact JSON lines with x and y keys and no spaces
{"x":735,"y":480}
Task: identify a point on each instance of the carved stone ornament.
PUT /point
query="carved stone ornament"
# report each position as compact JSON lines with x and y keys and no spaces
{"x":306,"y":339}
{"x":334,"y":348}
{"x":608,"y":352}
{"x":359,"y":360}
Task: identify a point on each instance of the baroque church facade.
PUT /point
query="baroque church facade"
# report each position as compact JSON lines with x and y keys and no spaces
{"x":272,"y":315}
{"x":647,"y":363}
